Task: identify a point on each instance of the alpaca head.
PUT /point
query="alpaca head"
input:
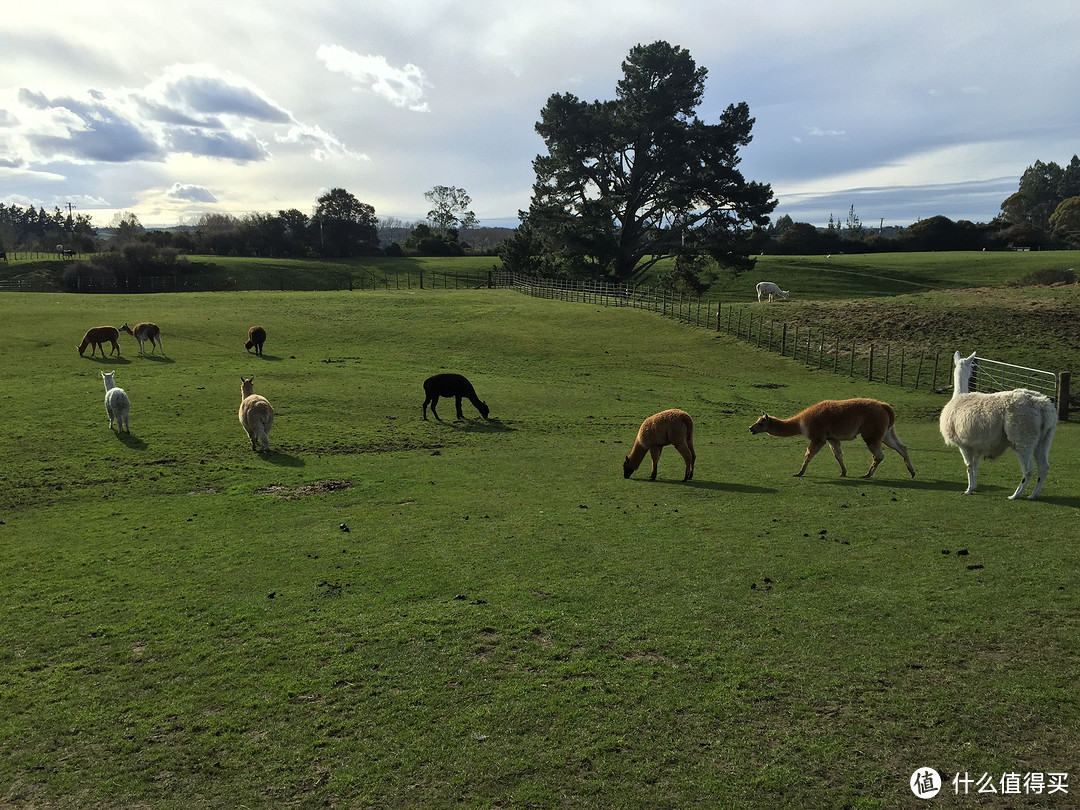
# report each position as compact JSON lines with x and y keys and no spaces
{"x":962,"y":368}
{"x":628,"y":467}
{"x":761,"y":425}
{"x":483,"y":408}
{"x":107,"y":376}
{"x":247,"y":387}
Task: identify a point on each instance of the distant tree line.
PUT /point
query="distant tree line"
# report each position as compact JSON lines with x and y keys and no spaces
{"x":340,"y":227}
{"x":1043,"y":214}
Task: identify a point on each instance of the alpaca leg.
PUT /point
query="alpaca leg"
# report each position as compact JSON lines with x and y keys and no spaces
{"x":838,"y":454}
{"x":1042,"y":458}
{"x":655,"y":453}
{"x":879,"y":456}
{"x":460,"y":415}
{"x":971,"y":463}
{"x":434,"y":400}
{"x":893,"y":441}
{"x":688,"y":456}
{"x":1027,"y":468}
{"x":811,"y":451}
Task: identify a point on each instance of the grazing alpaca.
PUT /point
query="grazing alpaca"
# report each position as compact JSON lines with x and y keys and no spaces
{"x":144,"y":332}
{"x":451,"y":385}
{"x":117,"y":404}
{"x":659,"y":430}
{"x":984,"y":425}
{"x":834,"y":421}
{"x":256,"y":415}
{"x":768,"y":288}
{"x":256,"y":338}
{"x":96,"y":338}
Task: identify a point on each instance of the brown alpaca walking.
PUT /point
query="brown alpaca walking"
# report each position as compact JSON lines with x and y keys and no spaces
{"x":833,"y":421}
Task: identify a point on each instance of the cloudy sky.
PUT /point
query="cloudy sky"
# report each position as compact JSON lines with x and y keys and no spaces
{"x":904,"y":110}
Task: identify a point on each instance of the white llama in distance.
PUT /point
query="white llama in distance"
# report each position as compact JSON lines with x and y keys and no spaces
{"x":984,"y":425}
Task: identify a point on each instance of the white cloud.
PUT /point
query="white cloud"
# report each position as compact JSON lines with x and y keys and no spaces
{"x":402,"y":87}
{"x":190,"y":193}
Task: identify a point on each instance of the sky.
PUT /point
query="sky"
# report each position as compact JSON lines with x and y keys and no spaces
{"x":904,"y":110}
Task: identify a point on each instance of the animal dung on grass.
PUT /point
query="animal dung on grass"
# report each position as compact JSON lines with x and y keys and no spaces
{"x":117,"y":404}
{"x":143,"y":332}
{"x":96,"y":338}
{"x":833,"y":421}
{"x":256,"y":415}
{"x":672,"y":427}
{"x":985,"y":425}
{"x":256,"y":339}
{"x":451,"y":385}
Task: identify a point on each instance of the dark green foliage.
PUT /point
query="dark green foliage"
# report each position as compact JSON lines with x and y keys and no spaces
{"x":630,"y":181}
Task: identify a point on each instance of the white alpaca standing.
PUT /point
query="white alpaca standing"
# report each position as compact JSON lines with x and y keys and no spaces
{"x":117,"y":404}
{"x":984,"y":425}
{"x":256,"y":415}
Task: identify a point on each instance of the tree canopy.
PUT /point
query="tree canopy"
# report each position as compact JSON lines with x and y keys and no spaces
{"x":629,"y":181}
{"x":347,"y":227}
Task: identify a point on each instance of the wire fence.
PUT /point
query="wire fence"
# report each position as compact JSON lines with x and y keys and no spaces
{"x":916,"y":367}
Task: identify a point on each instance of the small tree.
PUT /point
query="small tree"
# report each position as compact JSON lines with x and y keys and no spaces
{"x":450,"y":210}
{"x":344,"y":225}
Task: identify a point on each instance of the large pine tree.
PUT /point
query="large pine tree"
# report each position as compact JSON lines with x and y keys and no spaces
{"x":627,"y":182}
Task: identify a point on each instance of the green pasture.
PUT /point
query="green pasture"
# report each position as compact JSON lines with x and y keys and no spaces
{"x":507,"y":621}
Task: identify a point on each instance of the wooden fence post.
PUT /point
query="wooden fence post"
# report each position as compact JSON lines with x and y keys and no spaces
{"x":1064,"y":378}
{"x":870,"y":365}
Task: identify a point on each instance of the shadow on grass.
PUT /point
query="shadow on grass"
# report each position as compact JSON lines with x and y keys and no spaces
{"x":282,"y":459}
{"x":131,"y":442}
{"x":157,"y":358}
{"x":478,"y":426}
{"x":719,"y":486}
{"x":121,"y":361}
{"x":267,"y":357}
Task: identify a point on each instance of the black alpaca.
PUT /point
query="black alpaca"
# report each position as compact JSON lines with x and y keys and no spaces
{"x":451,"y":385}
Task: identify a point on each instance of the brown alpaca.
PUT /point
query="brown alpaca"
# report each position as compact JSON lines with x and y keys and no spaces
{"x":256,"y":339}
{"x":834,"y":421}
{"x":96,"y":338}
{"x":143,"y":332}
{"x":659,"y":430}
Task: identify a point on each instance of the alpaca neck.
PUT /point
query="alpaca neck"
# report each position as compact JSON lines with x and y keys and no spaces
{"x":784,"y":427}
{"x":637,"y":453}
{"x":960,"y":382}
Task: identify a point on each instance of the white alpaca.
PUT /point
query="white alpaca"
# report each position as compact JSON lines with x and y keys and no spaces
{"x":984,"y":425}
{"x":768,"y":288}
{"x":117,"y":404}
{"x":256,"y":415}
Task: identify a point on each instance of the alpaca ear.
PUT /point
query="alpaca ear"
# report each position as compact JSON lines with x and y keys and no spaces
{"x":971,"y":356}
{"x":956,"y":357}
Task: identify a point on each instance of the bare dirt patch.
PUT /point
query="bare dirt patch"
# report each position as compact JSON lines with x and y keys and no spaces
{"x":299,"y":491}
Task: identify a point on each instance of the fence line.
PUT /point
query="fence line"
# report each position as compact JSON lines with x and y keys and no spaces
{"x":916,"y":367}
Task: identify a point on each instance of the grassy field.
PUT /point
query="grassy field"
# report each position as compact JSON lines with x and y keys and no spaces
{"x":506,"y":622}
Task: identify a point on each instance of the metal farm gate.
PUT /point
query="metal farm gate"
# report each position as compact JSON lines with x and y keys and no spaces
{"x":988,"y":376}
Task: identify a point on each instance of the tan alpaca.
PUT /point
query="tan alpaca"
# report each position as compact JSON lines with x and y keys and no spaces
{"x":256,"y":415}
{"x":659,"y":430}
{"x":143,"y":332}
{"x":833,"y":421}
